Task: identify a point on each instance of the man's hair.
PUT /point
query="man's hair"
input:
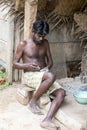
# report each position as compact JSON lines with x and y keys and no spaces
{"x":41,"y":27}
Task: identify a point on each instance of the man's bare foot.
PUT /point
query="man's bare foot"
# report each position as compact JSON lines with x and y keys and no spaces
{"x":35,"y":108}
{"x":48,"y":125}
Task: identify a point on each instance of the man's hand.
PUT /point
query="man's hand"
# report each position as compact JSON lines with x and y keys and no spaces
{"x":34,"y":67}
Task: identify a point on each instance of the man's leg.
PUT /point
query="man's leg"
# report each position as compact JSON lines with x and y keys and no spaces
{"x":47,"y":80}
{"x":59,"y":97}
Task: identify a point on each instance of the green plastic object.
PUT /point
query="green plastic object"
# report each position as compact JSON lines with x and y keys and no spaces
{"x":80,"y":95}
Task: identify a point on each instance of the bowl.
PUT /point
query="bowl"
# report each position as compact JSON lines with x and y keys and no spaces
{"x":80,"y":95}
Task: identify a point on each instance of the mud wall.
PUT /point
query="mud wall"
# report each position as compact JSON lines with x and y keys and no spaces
{"x":64,"y":48}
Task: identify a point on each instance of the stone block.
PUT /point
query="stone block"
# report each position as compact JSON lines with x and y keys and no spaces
{"x":23,"y":96}
{"x":72,"y":114}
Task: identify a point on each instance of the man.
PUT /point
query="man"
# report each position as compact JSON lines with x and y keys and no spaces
{"x":37,"y":60}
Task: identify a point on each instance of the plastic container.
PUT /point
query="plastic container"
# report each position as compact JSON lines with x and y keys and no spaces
{"x":80,"y":95}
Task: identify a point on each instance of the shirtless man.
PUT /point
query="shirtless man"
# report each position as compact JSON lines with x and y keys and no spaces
{"x":36,"y":56}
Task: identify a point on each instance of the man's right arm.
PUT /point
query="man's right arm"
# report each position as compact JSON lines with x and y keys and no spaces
{"x":18,"y":56}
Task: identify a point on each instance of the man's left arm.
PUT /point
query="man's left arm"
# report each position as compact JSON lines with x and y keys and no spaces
{"x":48,"y":56}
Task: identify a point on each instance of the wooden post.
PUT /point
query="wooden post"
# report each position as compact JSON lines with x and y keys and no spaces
{"x":30,"y":16}
{"x":10,"y":48}
{"x":17,"y":4}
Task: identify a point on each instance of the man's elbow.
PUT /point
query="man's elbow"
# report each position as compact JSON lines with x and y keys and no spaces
{"x":14,"y":65}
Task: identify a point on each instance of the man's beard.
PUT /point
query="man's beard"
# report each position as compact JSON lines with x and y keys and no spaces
{"x":37,"y":41}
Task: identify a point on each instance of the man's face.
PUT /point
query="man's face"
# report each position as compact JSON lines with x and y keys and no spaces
{"x":38,"y":38}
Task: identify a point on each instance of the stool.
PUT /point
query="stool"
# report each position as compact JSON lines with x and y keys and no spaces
{"x":24,"y":94}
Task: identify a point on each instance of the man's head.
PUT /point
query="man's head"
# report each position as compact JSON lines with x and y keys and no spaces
{"x":40,"y":30}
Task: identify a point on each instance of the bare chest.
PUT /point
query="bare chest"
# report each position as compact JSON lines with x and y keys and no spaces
{"x":35,"y":51}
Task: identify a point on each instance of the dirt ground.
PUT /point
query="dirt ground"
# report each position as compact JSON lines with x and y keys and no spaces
{"x":15,"y":116}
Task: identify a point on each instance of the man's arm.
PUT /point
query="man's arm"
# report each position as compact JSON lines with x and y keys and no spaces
{"x":49,"y":56}
{"x":18,"y":56}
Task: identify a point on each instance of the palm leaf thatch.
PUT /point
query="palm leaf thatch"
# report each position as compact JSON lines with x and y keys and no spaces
{"x":64,"y":11}
{"x":56,"y":12}
{"x":68,"y":7}
{"x":16,"y":8}
{"x":81,"y":32}
{"x":81,"y":20}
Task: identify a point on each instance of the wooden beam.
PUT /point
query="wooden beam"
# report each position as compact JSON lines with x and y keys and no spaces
{"x":30,"y":17}
{"x":17,"y":2}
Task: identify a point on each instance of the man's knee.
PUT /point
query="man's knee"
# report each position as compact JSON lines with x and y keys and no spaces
{"x":50,"y":76}
{"x":60,"y":93}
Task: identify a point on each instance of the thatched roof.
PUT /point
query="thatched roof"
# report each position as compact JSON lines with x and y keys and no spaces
{"x":16,"y":8}
{"x":56,"y":12}
{"x":64,"y":11}
{"x":68,"y":7}
{"x":81,"y":20}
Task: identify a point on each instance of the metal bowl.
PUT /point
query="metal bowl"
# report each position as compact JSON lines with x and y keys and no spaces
{"x":80,"y":95}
